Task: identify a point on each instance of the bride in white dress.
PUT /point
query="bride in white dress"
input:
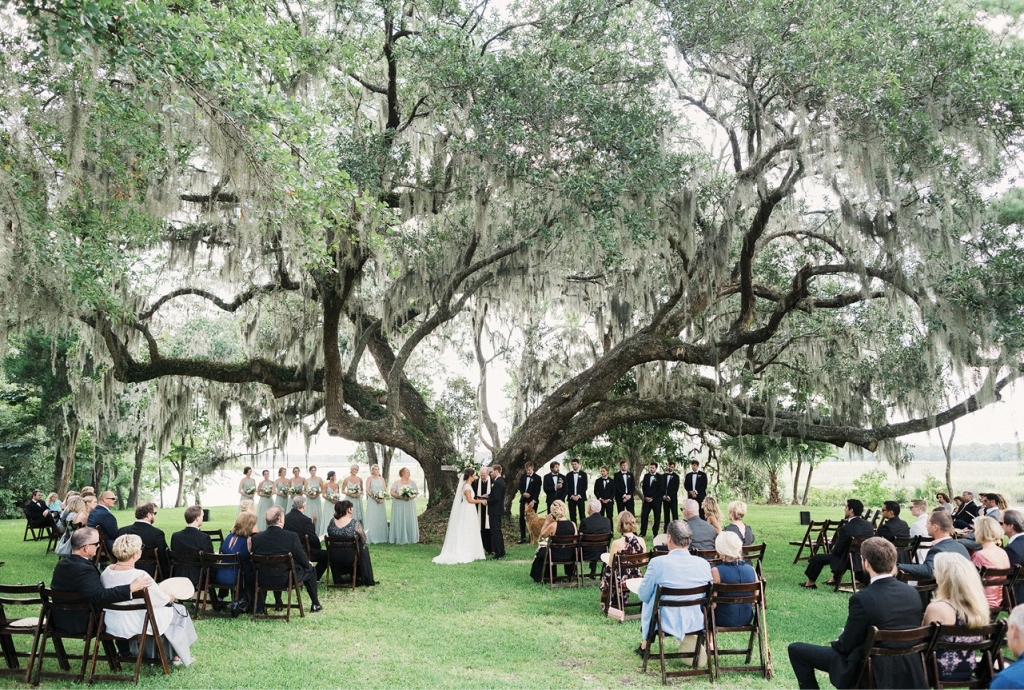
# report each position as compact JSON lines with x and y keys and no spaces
{"x":462,"y":542}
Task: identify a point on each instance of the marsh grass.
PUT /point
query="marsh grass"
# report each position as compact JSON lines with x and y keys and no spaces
{"x":484,"y":624}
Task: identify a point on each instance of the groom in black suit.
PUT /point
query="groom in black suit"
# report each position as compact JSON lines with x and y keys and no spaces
{"x":495,"y":507}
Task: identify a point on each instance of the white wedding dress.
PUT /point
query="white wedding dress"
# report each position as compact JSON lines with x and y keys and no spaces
{"x":462,"y":542}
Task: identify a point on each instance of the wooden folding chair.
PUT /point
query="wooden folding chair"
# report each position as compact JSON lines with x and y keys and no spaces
{"x":53,"y":537}
{"x":216,"y":535}
{"x":150,"y":631}
{"x":906,"y":548}
{"x":102,"y":558}
{"x":754,"y":554}
{"x":266,"y":567}
{"x":13,"y":597}
{"x":149,"y":562}
{"x":338,"y":544}
{"x":569,"y":544}
{"x":591,"y":541}
{"x":827,"y":536}
{"x":214,"y":563}
{"x":874,"y":520}
{"x":38,"y":533}
{"x":751,"y":593}
{"x":616,"y":600}
{"x":189,"y":564}
{"x":923,"y":544}
{"x":894,"y":643}
{"x":667,"y":597}
{"x":808,"y":541}
{"x":853,"y":566}
{"x":1005,"y":579}
{"x":64,"y":604}
{"x":986,"y":651}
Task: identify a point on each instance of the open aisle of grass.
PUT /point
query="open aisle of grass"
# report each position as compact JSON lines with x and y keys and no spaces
{"x":485,"y":624}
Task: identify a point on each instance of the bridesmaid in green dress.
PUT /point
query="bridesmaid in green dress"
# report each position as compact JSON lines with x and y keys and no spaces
{"x":297,"y":486}
{"x":405,"y":529}
{"x":265,"y":490}
{"x":281,"y":487}
{"x":246,"y":488}
{"x":376,"y":524}
{"x":314,"y":504}
{"x":353,"y":489}
{"x":332,"y":494}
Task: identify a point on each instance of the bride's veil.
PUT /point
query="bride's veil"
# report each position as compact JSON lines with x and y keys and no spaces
{"x":458,"y":503}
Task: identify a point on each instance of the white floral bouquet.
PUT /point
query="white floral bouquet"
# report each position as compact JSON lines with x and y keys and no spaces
{"x":313,"y":490}
{"x":331,"y":495}
{"x":379,"y":495}
{"x":296,"y":489}
{"x":408,"y":492}
{"x":249,"y":490}
{"x":267,"y":490}
{"x":353,"y":490}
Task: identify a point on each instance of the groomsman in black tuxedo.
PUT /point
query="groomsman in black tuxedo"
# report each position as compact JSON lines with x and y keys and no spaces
{"x":554,"y":485}
{"x":576,"y":492}
{"x":670,"y":499}
{"x":495,"y":509}
{"x":625,"y":486}
{"x":482,"y":489}
{"x":529,"y":493}
{"x":653,"y":489}
{"x":695,"y":484}
{"x":604,"y":491}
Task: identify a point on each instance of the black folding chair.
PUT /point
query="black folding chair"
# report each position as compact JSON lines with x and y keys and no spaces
{"x":617,"y":599}
{"x":150,"y":631}
{"x":149,"y":562}
{"x":266,"y":568}
{"x":11,"y":627}
{"x":191,"y":565}
{"x":986,"y":652}
{"x":1006,"y":579}
{"x":591,"y":541}
{"x":809,"y":539}
{"x":334,"y":546}
{"x":667,"y":597}
{"x":853,"y":566}
{"x":216,"y":535}
{"x":894,"y":643}
{"x":214,"y":563}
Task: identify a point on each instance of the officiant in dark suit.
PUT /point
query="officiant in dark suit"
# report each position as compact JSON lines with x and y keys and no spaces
{"x":297,"y":522}
{"x":529,"y":492}
{"x":554,"y":485}
{"x":604,"y":491}
{"x":576,"y":492}
{"x":695,"y":484}
{"x":482,"y":489}
{"x":625,"y":485}
{"x":495,"y":508}
{"x":275,"y":541}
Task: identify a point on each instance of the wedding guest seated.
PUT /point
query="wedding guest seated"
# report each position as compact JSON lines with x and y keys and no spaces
{"x":964,"y":516}
{"x":344,"y":524}
{"x":940,"y":528}
{"x":703,"y":534}
{"x":555,"y":524}
{"x":176,"y":629}
{"x":152,"y":537}
{"x":989,"y":534}
{"x":712,"y":513}
{"x":679,"y":569}
{"x":628,"y":544}
{"x":893,"y":528}
{"x":855,"y":527}
{"x":238,"y":542}
{"x":276,"y":541}
{"x":76,"y":573}
{"x":737,"y":510}
{"x":993,"y":505}
{"x":944,"y":502}
{"x":594,"y":523}
{"x":959,"y":600}
{"x":297,"y":522}
{"x":1013,"y":527}
{"x":192,"y":540}
{"x":53,"y":504}
{"x":102,"y":517}
{"x":1013,"y":675}
{"x":732,"y":570}
{"x":37,"y":513}
{"x":887,"y":604}
{"x":76,"y":512}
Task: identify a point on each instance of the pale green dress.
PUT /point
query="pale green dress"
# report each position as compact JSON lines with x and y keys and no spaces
{"x":357,"y":501}
{"x":331,"y":496}
{"x":249,"y":483}
{"x":376,"y":523}
{"x":314,"y":504}
{"x":405,"y":528}
{"x":281,"y":485}
{"x":265,"y":504}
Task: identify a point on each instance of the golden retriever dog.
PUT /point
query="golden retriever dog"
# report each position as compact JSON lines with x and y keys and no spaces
{"x":534,"y":523}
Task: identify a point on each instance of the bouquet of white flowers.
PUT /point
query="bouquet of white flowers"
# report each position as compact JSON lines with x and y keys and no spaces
{"x":267,"y":490}
{"x":313,"y":490}
{"x":379,"y":495}
{"x":296,"y":489}
{"x":408,"y":492}
{"x":353,"y":490}
{"x":331,"y":495}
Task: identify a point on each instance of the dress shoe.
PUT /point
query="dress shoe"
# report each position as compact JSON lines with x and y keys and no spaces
{"x":521,"y":541}
{"x":639,"y":651}
{"x":808,"y":586}
{"x":315,"y":608}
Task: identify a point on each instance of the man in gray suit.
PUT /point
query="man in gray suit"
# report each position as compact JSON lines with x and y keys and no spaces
{"x":940,"y":528}
{"x":703,"y":533}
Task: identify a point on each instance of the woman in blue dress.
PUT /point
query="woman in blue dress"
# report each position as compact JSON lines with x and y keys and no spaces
{"x":376,"y":523}
{"x":281,"y":488}
{"x":405,"y":529}
{"x":246,"y":488}
{"x":265,"y":490}
{"x":733,"y":570}
{"x":353,"y":489}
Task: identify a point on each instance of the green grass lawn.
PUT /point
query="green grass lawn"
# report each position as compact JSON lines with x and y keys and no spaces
{"x":482,"y":624}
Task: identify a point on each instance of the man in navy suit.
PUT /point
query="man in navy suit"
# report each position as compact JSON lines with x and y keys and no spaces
{"x":102,"y":517}
{"x":1013,"y":527}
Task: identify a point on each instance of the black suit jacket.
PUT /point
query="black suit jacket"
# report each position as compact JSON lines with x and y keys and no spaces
{"x":967,"y":512}
{"x":702,"y":484}
{"x":594,"y":524}
{"x":152,"y":538}
{"x":297,"y":522}
{"x":76,"y":574}
{"x":927,"y":569}
{"x":496,"y":499}
{"x":855,"y":528}
{"x":653,"y":489}
{"x":191,"y":540}
{"x":624,"y":484}
{"x":529,"y":484}
{"x":894,"y":529}
{"x":887,"y":604}
{"x":34,"y":514}
{"x":1015,"y":550}
{"x":100,"y":516}
{"x":671,"y":486}
{"x":275,"y":541}
{"x":581,"y":485}
{"x":604,"y":489}
{"x":554,"y":494}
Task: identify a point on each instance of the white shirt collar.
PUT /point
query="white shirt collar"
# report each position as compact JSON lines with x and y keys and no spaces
{"x":1014,"y":537}
{"x":876,"y":578}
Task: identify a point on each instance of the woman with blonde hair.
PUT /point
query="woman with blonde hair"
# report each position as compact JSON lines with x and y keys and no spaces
{"x":989,"y":533}
{"x":238,"y":543}
{"x":737,"y":511}
{"x":628,"y":544}
{"x":376,"y":523}
{"x":733,"y":570}
{"x":556,"y":524}
{"x":712,"y":513}
{"x":959,"y":600}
